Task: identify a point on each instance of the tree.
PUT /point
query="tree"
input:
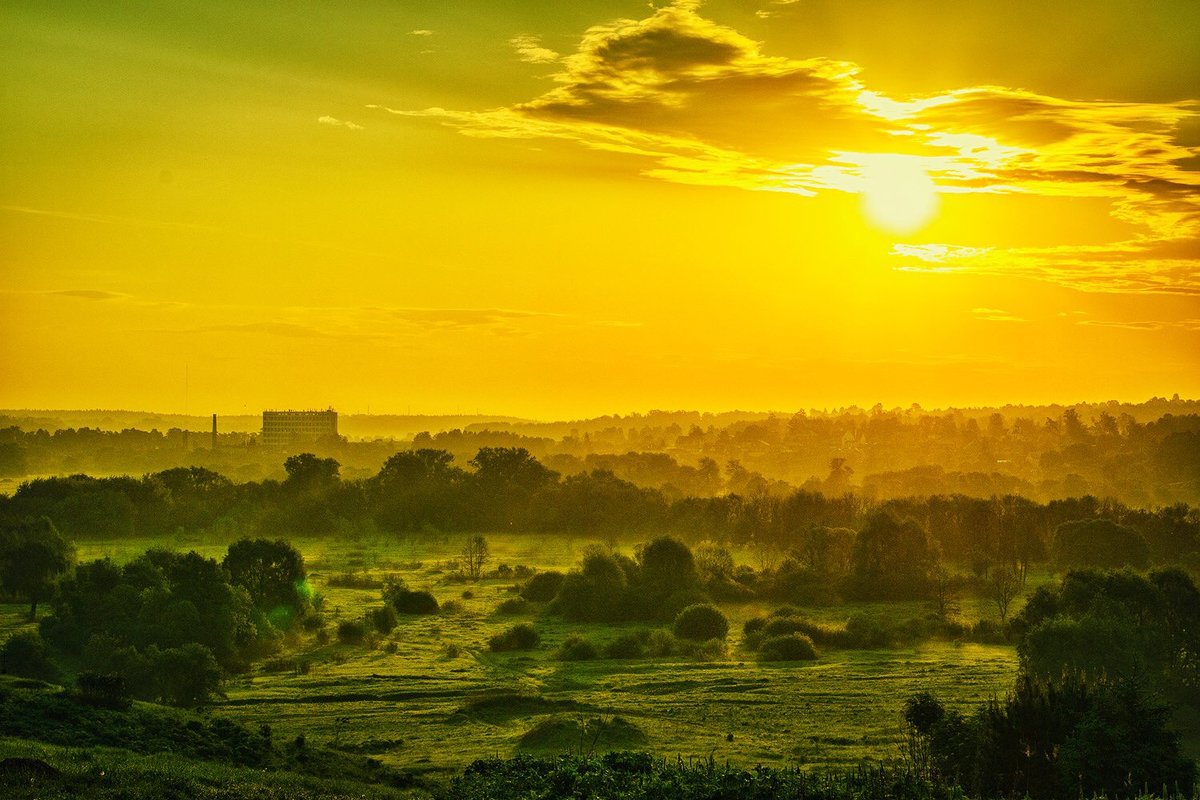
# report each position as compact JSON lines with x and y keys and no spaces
{"x":186,"y":676}
{"x":667,"y":567}
{"x":1003,"y":587}
{"x":33,"y":556}
{"x":891,"y":559}
{"x":945,"y":600}
{"x":411,"y":467}
{"x":272,"y":572}
{"x":474,"y":556}
{"x":1099,"y":543}
{"x":306,"y":472}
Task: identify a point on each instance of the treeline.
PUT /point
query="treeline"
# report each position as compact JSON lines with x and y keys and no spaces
{"x":507,"y":489}
{"x":1144,"y":455}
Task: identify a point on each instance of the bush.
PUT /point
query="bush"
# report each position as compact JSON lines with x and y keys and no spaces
{"x":383,"y":619}
{"x":577,"y":648}
{"x":352,"y":631}
{"x":514,"y":606}
{"x":789,"y":647}
{"x":867,"y":632}
{"x":409,"y":602}
{"x":661,"y":643}
{"x":518,"y":637}
{"x":678,"y":601}
{"x":629,"y":645}
{"x":781,"y":626}
{"x":27,"y":656}
{"x":754,"y":625}
{"x":103,"y":691}
{"x":711,"y":650}
{"x":701,"y":622}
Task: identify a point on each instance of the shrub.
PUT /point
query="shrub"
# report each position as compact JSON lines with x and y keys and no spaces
{"x":866,"y":631}
{"x":382,"y":619}
{"x":102,"y":691}
{"x":452,"y":607}
{"x":753,"y":625}
{"x":729,"y":590}
{"x":513,"y":606}
{"x":710,"y":650}
{"x":577,"y":648}
{"x":678,"y":601}
{"x":789,"y":647}
{"x":26,"y":656}
{"x":419,"y":602}
{"x":661,"y":643}
{"x":701,"y":622}
{"x":629,"y":645}
{"x":542,"y":587}
{"x":352,"y":631}
{"x":518,"y":637}
{"x":781,"y":626}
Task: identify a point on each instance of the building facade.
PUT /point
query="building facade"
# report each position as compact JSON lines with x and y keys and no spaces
{"x":284,"y":428}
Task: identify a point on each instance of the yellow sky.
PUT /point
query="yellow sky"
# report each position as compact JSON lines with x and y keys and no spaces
{"x":526,"y":209}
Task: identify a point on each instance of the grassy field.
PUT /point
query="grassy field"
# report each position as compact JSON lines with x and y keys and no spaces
{"x":430,"y":696}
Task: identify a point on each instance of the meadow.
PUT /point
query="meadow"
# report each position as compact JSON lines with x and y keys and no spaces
{"x":431,"y":697}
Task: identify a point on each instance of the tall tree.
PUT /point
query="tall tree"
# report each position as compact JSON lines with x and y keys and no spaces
{"x":33,"y":556}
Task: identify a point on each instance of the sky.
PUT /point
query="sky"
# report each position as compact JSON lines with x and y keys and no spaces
{"x":562,"y":210}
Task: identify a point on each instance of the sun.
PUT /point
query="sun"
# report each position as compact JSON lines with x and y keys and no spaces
{"x":898,"y":195}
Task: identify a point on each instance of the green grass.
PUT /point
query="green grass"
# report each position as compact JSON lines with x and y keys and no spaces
{"x":105,"y":772}
{"x":413,"y":708}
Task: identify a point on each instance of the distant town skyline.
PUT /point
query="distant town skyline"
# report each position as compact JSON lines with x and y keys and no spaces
{"x":556,"y":211}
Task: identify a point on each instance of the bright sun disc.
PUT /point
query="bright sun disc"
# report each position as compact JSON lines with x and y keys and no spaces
{"x":897,"y":193}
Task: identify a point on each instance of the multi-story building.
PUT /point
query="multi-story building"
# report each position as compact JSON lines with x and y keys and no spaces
{"x":283,"y":428}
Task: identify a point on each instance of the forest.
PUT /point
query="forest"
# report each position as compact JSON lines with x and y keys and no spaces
{"x":1142,"y":454}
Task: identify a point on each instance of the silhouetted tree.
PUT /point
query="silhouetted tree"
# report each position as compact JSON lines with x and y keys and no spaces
{"x":33,"y":556}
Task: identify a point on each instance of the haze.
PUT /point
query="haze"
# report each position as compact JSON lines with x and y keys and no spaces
{"x":569,"y":210}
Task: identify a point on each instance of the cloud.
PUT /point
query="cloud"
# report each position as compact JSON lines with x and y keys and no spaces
{"x":463,"y":318}
{"x":1143,"y":325}
{"x":682,"y":98}
{"x":339,"y":123}
{"x":995,"y":315}
{"x":421,"y":32}
{"x":90,"y":294}
{"x":529,"y":49}
{"x":776,"y":8}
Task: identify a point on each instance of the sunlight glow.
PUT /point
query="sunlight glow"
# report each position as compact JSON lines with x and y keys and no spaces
{"x":898,"y":195}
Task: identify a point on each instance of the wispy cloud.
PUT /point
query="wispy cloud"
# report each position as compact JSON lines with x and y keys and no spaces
{"x":90,"y":294}
{"x":421,"y":32}
{"x":339,"y":123}
{"x":691,"y":101}
{"x":996,"y":315}
{"x":529,"y":49}
{"x":1142,"y":325}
